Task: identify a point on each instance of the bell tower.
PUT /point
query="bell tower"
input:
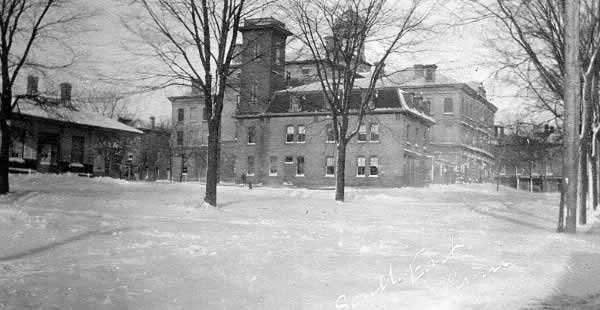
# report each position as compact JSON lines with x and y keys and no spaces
{"x":263,"y":62}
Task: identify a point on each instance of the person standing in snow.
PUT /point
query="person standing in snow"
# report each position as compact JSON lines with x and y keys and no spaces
{"x":244,"y":179}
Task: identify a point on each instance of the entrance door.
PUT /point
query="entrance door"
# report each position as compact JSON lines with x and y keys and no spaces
{"x":47,"y":155}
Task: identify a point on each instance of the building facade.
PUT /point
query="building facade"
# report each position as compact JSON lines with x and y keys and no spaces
{"x":295,"y":145}
{"x":439,"y":130}
{"x":529,"y":159}
{"x":463,"y":137}
{"x":50,"y":135}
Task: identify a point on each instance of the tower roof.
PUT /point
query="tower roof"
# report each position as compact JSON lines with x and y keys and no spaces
{"x":265,"y":23}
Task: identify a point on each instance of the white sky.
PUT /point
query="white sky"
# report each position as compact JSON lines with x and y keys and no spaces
{"x":458,"y":52}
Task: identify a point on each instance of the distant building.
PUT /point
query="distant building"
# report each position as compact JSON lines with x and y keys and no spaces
{"x":50,"y":135}
{"x":462,"y":138}
{"x":151,"y":152}
{"x":529,"y":157}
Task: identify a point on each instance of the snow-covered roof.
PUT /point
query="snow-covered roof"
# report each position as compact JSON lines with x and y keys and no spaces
{"x":61,"y":113}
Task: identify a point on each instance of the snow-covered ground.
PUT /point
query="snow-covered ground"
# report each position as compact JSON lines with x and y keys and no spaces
{"x":68,"y":242}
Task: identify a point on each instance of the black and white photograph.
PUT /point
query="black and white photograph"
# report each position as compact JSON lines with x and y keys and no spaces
{"x":299,"y":154}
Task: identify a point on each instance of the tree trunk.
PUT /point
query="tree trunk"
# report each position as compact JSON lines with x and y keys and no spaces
{"x":212,"y":171}
{"x":5,"y":130}
{"x":583,"y":183}
{"x":594,"y":165}
{"x":340,"y":177}
{"x":498,"y":179}
{"x":571,"y":113}
{"x":561,"y":210}
{"x":530,"y":176}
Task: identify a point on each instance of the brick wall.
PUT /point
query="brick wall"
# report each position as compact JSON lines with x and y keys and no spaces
{"x":270,"y":134}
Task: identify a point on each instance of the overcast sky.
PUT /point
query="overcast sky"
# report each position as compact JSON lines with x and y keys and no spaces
{"x":459,"y":53}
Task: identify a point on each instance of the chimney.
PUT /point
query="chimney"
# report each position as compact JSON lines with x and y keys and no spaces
{"x":419,"y":71}
{"x":196,"y":88}
{"x":32,"y":85}
{"x":152,"y":122}
{"x":330,"y":44}
{"x":481,"y":91}
{"x":429,"y":72}
{"x":65,"y":92}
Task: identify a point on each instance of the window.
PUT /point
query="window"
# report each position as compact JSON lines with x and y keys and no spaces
{"x":448,"y":105}
{"x":289,"y":134}
{"x":77,"y":144}
{"x":373,"y":167}
{"x":360,"y":161}
{"x":180,"y":138}
{"x":449,"y":133}
{"x":305,"y":71}
{"x":255,"y":50}
{"x":374,"y":132}
{"x":289,"y":160}
{"x":273,"y":166}
{"x":251,"y":135}
{"x":362,"y":133}
{"x":429,"y":74}
{"x":427,"y":106}
{"x":253,"y":97}
{"x":330,"y":133}
{"x":295,"y":104}
{"x":329,"y":166}
{"x":549,"y":170}
{"x":205,"y":112}
{"x":250,"y":165}
{"x":17,"y":143}
{"x":277,"y":55}
{"x":180,"y":115}
{"x":417,"y":135}
{"x":300,"y":166}
{"x":301,"y":134}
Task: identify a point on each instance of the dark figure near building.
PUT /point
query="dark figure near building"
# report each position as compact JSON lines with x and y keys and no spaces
{"x":244,"y":178}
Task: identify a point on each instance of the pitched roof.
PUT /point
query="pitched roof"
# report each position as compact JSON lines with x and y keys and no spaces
{"x":61,"y":113}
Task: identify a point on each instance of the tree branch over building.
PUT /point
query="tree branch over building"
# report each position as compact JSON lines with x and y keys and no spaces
{"x":26,"y":27}
{"x":194,"y":41}
{"x":337,"y":34}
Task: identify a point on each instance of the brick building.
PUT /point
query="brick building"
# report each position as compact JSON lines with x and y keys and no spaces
{"x":429,"y":127}
{"x":189,"y":137}
{"x":293,"y":142}
{"x":150,"y":152}
{"x":462,"y":138}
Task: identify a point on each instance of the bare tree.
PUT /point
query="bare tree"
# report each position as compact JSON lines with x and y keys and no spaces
{"x":538,"y":29}
{"x":195,"y":40}
{"x":26,"y":27}
{"x":104,"y":101}
{"x":337,"y":33}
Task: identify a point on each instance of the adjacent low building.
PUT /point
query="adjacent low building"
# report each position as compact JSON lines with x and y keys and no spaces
{"x":529,"y":158}
{"x":50,"y":135}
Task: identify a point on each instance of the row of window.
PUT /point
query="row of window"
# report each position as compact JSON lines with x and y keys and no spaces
{"x":181,"y":114}
{"x":361,"y":165}
{"x":17,"y":146}
{"x":297,"y":134}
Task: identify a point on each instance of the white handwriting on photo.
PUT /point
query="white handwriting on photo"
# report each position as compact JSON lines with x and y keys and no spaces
{"x":415,"y":273}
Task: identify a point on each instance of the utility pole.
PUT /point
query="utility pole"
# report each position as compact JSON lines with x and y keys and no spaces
{"x":571,"y":114}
